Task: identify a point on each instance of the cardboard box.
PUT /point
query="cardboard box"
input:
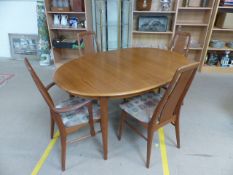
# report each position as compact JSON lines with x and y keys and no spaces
{"x":224,"y":20}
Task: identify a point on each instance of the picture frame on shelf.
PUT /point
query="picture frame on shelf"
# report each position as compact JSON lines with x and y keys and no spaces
{"x":153,"y":23}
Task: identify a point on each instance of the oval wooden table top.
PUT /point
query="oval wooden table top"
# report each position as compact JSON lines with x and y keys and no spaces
{"x":119,"y":73}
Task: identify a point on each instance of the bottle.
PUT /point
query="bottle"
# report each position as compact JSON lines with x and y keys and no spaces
{"x":225,"y":59}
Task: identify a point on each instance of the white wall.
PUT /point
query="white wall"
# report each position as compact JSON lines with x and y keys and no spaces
{"x":16,"y":17}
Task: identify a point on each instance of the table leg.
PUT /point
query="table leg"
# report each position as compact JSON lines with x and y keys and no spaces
{"x":104,"y":124}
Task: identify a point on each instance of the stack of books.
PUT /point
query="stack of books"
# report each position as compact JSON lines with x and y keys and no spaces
{"x":227,"y":2}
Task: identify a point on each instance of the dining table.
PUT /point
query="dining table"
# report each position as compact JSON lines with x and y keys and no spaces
{"x":121,"y":73}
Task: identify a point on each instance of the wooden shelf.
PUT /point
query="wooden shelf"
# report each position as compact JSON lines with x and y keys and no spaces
{"x":55,"y":12}
{"x":191,"y":24}
{"x":195,"y":48}
{"x":195,"y":8}
{"x":67,"y":28}
{"x":220,"y":49}
{"x":65,"y":48}
{"x":225,"y":7}
{"x":147,"y":32}
{"x":62,"y":55}
{"x":216,"y":33}
{"x":221,"y":29}
{"x":194,"y":20}
{"x":217,"y":69}
{"x":149,"y":12}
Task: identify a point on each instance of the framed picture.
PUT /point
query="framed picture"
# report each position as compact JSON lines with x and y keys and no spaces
{"x":23,"y":45}
{"x":153,"y":23}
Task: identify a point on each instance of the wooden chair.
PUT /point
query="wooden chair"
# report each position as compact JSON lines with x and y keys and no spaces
{"x":88,"y":41}
{"x":69,"y":115}
{"x":153,"y":112}
{"x":180,"y":43}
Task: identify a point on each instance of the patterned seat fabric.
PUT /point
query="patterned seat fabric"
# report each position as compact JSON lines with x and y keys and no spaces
{"x":78,"y":116}
{"x":142,"y":107}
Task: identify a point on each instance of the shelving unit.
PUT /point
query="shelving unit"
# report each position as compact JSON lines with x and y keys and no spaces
{"x":151,"y":38}
{"x":216,"y":33}
{"x":194,"y":20}
{"x":62,"y":55}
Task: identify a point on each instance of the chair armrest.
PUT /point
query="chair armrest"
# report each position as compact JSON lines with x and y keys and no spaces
{"x":50,"y":85}
{"x":72,"y":108}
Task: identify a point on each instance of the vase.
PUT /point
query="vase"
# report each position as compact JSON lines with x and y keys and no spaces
{"x":143,"y":5}
{"x":165,"y":5}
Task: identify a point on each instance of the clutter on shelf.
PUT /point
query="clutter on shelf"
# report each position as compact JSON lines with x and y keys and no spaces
{"x":222,"y":59}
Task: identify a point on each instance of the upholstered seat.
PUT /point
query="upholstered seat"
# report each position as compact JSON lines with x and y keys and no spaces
{"x":69,"y":115}
{"x":153,"y":112}
{"x":142,"y":107}
{"x":78,"y":116}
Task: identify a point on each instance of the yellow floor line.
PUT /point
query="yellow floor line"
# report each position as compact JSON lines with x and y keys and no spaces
{"x":163,"y":152}
{"x":45,"y":154}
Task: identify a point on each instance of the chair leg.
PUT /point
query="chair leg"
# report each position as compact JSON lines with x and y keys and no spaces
{"x":91,"y":120}
{"x":121,"y":124}
{"x":63,"y":152}
{"x":92,"y":129}
{"x":177,"y":127}
{"x":149,"y":147}
{"x":52,"y":123}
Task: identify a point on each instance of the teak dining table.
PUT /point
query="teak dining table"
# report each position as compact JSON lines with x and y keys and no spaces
{"x":117,"y":74}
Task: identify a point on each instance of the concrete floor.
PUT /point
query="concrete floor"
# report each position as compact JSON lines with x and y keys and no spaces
{"x":206,"y":132}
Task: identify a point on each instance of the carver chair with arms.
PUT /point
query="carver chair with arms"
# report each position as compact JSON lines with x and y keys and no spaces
{"x":87,"y":43}
{"x":153,"y":111}
{"x":180,"y":43}
{"x":69,"y":115}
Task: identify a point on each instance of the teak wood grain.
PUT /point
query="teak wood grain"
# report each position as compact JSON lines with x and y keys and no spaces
{"x":117,"y":74}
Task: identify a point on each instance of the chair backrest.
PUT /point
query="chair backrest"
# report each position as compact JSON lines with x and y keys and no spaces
{"x":39,"y":84}
{"x":172,"y":100}
{"x":88,"y":40}
{"x":180,"y":43}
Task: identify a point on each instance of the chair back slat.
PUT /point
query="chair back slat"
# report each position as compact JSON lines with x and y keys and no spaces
{"x":89,"y":40}
{"x":173,"y":97}
{"x":39,"y":84}
{"x":180,"y":43}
